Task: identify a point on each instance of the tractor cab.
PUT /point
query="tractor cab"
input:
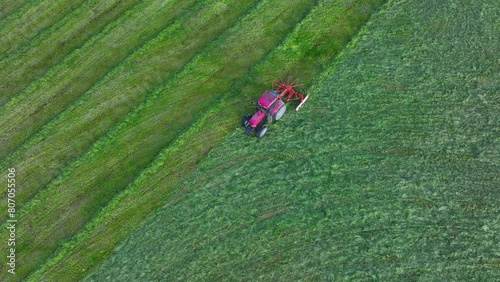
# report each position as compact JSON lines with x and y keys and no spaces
{"x":267,"y":99}
{"x":268,"y":105}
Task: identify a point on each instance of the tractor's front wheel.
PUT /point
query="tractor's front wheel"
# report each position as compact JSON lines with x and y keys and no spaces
{"x":244,"y":121}
{"x":261,"y":131}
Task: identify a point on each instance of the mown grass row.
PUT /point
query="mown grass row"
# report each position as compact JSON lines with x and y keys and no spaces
{"x":144,"y":194}
{"x":112,"y":162}
{"x":26,"y":23}
{"x":94,"y":113}
{"x":33,"y":59}
{"x":375,"y":178}
{"x":11,"y":6}
{"x":49,"y":95}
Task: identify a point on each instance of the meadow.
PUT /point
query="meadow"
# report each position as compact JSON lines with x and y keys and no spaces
{"x":106,"y":107}
{"x":388,"y":173}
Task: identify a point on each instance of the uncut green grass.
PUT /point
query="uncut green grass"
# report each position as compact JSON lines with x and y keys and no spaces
{"x":389,"y":172}
{"x":35,"y":57}
{"x":143,"y":195}
{"x":49,"y":95}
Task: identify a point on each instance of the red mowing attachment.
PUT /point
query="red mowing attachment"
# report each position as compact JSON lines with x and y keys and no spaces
{"x":288,"y":93}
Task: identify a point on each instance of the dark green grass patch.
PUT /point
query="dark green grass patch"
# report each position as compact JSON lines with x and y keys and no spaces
{"x":389,"y":172}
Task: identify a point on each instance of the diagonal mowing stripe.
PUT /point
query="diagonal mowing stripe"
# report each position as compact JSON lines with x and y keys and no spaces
{"x":63,"y":83}
{"x":10,"y":7}
{"x":19,"y":29}
{"x":34,"y":58}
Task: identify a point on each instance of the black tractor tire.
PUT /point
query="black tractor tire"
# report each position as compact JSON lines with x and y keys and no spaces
{"x":261,"y":130}
{"x":280,"y":112}
{"x":244,"y":121}
{"x":248,"y":130}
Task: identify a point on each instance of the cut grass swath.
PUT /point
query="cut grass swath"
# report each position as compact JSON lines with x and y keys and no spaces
{"x":10,"y":7}
{"x":22,"y":26}
{"x":48,"y":48}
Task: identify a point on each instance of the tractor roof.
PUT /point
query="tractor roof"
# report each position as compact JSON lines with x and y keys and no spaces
{"x":267,"y":98}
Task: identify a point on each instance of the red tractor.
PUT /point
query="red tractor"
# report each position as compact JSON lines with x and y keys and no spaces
{"x":271,"y":107}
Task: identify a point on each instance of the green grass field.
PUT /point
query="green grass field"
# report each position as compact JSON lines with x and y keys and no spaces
{"x":110,"y":112}
{"x":389,"y":173}
{"x":100,"y":100}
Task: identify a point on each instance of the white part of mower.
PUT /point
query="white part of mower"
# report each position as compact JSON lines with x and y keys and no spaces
{"x":301,"y":103}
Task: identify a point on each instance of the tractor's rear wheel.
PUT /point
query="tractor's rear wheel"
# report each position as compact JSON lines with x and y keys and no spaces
{"x":261,"y":131}
{"x":280,"y":112}
{"x":270,"y":118}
